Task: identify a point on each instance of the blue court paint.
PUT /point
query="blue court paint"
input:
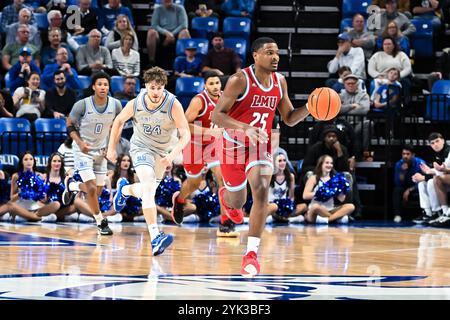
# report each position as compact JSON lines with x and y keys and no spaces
{"x":18,"y":239}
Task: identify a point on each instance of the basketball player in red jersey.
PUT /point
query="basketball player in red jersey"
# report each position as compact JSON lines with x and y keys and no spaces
{"x":246,"y":110}
{"x":203,"y":150}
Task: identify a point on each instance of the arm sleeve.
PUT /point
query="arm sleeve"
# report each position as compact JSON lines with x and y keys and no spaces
{"x":358,"y":65}
{"x":409,"y":28}
{"x":156,"y":22}
{"x":78,"y":110}
{"x":406,"y":65}
{"x":81,"y":60}
{"x":372,"y":67}
{"x":73,"y":80}
{"x":182,"y":20}
{"x":397,"y":170}
{"x":333,"y":65}
{"x":107,"y":56}
{"x":110,"y":43}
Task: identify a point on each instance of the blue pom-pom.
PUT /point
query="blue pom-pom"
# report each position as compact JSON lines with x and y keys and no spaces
{"x":337,"y":185}
{"x":248,"y":204}
{"x":31,"y":186}
{"x":4,"y":191}
{"x":103,"y":200}
{"x":285,"y":207}
{"x":132,"y":206}
{"x":207,"y":204}
{"x":165,"y":191}
{"x":54,"y":191}
{"x":77,"y":177}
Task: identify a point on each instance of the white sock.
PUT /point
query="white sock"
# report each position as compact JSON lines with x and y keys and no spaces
{"x":444,"y":209}
{"x":153,"y":230}
{"x":297,"y":219}
{"x":253,"y":244}
{"x":192,"y":218}
{"x":98,"y":218}
{"x":74,"y":186}
{"x":428,"y":212}
{"x":320,"y":219}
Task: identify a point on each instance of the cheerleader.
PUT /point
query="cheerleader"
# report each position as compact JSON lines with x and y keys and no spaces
{"x":54,"y":187}
{"x":281,"y":194}
{"x":124,"y":169}
{"x":323,"y":188}
{"x":28,"y":194}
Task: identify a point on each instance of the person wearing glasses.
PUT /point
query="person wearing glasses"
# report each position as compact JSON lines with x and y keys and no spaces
{"x":11,"y":52}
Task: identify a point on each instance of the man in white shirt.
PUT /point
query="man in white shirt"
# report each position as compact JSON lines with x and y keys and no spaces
{"x":346,"y":55}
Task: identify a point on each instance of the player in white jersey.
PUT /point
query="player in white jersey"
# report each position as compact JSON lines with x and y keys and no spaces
{"x":89,"y":124}
{"x":156,"y":114}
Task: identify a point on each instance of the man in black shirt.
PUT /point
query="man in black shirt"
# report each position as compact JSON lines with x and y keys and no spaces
{"x":59,"y":100}
{"x":427,"y":192}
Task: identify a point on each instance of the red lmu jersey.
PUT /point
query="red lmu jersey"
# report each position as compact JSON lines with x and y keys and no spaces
{"x":257,"y":106}
{"x":204,"y":117}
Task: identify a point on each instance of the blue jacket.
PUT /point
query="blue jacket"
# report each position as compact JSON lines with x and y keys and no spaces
{"x":412,"y":170}
{"x":47,"y":78}
{"x":235,"y":7}
{"x":17,"y":81}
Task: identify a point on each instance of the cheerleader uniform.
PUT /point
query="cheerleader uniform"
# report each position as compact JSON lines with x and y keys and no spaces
{"x":279,"y":194}
{"x":54,"y":191}
{"x":329,"y":204}
{"x":31,"y":190}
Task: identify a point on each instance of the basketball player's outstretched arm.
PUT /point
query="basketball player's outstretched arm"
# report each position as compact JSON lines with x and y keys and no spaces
{"x":192,"y":112}
{"x":116,"y":130}
{"x":290,"y":115}
{"x":183,"y":129}
{"x":235,"y":86}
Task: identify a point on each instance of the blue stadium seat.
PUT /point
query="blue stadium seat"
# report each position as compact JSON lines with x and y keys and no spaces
{"x":9,"y":162}
{"x":203,"y":27}
{"x":202,"y":46}
{"x":187,"y":88}
{"x":438,"y":102}
{"x":50,"y":133}
{"x":345,"y":24}
{"x":41,"y":162}
{"x":81,"y":39}
{"x":240,"y":47}
{"x":422,"y":39}
{"x":180,"y":2}
{"x":117,"y":84}
{"x":41,"y":20}
{"x":234,"y":27}
{"x":15,"y":135}
{"x":85,"y":81}
{"x":351,"y":7}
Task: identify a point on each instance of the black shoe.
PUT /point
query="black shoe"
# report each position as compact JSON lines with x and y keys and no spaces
{"x":442,"y":222}
{"x":425,"y":219}
{"x":68,"y":196}
{"x":177,"y":209}
{"x":227,"y":229}
{"x":103,"y":228}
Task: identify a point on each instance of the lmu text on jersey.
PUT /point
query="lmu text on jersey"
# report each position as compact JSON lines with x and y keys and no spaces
{"x":269,"y":102}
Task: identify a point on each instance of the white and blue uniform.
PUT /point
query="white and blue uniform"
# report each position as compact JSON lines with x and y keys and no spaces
{"x":329,"y":204}
{"x":278,"y":191}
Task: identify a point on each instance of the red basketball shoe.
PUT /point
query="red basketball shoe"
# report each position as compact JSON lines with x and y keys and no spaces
{"x":250,"y":266}
{"x":236,"y":215}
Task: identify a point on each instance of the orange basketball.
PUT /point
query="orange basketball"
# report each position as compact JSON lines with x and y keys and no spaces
{"x":324,"y":103}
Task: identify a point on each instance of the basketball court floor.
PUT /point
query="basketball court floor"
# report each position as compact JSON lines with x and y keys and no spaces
{"x":358,"y":261}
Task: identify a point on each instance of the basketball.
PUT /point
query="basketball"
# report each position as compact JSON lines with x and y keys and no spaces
{"x":324,"y":103}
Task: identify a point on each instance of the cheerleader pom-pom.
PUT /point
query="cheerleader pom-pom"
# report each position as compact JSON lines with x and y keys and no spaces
{"x":31,"y":186}
{"x":103,"y":200}
{"x":207,"y":204}
{"x":340,"y":183}
{"x":248,"y":204}
{"x":54,"y":191}
{"x":285,"y":207}
{"x":132,"y":206}
{"x":165,"y":191}
{"x":77,"y":177}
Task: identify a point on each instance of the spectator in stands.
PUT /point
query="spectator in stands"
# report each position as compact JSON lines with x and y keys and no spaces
{"x":361,"y":37}
{"x":188,"y":66}
{"x":21,"y":70}
{"x":389,"y":92}
{"x":111,"y":11}
{"x":29,"y":101}
{"x":402,"y":6}
{"x":59,"y":5}
{"x":129,"y":89}
{"x":429,"y":10}
{"x":404,"y":170}
{"x":126,"y":61}
{"x":354,"y":102}
{"x":442,"y":67}
{"x":224,"y":61}
{"x":90,"y":19}
{"x":60,"y":98}
{"x":169,"y":22}
{"x":55,"y":21}
{"x":92,"y":57}
{"x":239,"y":8}
{"x":202,"y":8}
{"x":25,"y":15}
{"x":11,"y":52}
{"x":321,"y":210}
{"x":48,"y":53}
{"x":10,"y":15}
{"x":391,"y":57}
{"x":346,"y":55}
{"x":429,"y":202}
{"x":6,"y":105}
{"x":121,"y":28}
{"x":391,"y":14}
{"x":442,"y":185}
{"x":61,"y":63}
{"x":392,"y":31}
{"x":343,"y":72}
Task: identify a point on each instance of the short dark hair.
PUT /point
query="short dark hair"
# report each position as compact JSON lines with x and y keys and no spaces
{"x":435,"y":135}
{"x":217,"y":35}
{"x":101,"y":75}
{"x":59,"y":71}
{"x":342,"y":69}
{"x":260,"y":42}
{"x":210,"y":74}
{"x":409,"y":147}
